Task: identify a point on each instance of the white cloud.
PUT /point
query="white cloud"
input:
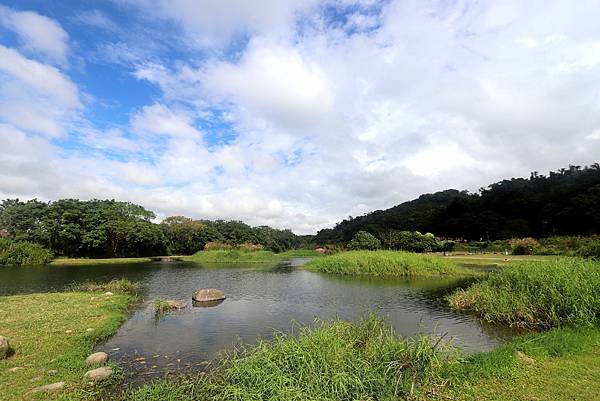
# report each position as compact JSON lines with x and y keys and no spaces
{"x":34,"y":96}
{"x":39,"y":34}
{"x":422,"y":97}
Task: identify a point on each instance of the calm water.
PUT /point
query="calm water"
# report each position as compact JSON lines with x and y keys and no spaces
{"x":260,"y":299}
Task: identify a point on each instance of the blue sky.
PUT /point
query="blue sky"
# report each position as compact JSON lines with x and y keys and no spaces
{"x":292,"y":113}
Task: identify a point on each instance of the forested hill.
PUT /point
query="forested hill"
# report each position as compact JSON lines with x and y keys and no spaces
{"x":565,"y":202}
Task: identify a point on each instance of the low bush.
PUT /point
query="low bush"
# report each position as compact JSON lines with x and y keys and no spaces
{"x":539,"y":295}
{"x":23,"y":253}
{"x":234,"y":256}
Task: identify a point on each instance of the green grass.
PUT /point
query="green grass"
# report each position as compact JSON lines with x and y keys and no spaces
{"x":387,"y":263}
{"x":539,"y":295}
{"x":333,"y":361}
{"x":559,"y":365}
{"x":51,"y":336}
{"x":491,"y":259}
{"x":300,"y":253}
{"x":85,"y":261}
{"x":234,"y":256}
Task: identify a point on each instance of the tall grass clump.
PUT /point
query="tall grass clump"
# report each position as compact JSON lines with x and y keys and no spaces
{"x":23,"y":253}
{"x":116,"y":286}
{"x":333,"y":361}
{"x":233,"y":256}
{"x":387,"y":263}
{"x":539,"y":295}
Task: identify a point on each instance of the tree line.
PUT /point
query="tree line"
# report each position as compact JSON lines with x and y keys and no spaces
{"x":109,"y":228}
{"x":564,"y":202}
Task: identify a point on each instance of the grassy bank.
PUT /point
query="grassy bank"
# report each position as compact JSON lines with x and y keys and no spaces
{"x":234,"y":256}
{"x":559,"y":365}
{"x":540,"y":295}
{"x":387,"y":263}
{"x":491,"y":259}
{"x":85,"y":261}
{"x":366,"y":361}
{"x":52,"y":334}
{"x":334,"y":361}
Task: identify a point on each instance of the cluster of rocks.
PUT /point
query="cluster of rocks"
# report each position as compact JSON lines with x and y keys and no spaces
{"x":93,"y":376}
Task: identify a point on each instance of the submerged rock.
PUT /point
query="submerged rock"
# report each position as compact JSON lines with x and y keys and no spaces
{"x":96,"y":358}
{"x":49,"y":387}
{"x":208,"y":295}
{"x":5,"y":350}
{"x":175,"y":303}
{"x":100,"y":374}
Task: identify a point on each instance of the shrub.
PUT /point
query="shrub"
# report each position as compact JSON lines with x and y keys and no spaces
{"x":523,"y":246}
{"x":216,"y":245}
{"x":23,"y":253}
{"x":560,"y":292}
{"x":248,"y":247}
{"x":364,"y":240}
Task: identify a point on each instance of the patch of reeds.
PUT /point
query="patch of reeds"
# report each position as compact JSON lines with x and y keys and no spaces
{"x":539,"y":295}
{"x":332,"y":361}
{"x":388,"y":263}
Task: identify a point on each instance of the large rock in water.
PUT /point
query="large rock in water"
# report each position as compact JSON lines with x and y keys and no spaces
{"x":4,"y":347}
{"x":97,"y":375}
{"x":208,"y":295}
{"x":96,"y":358}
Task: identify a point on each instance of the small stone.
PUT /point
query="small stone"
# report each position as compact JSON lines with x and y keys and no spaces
{"x":100,"y":374}
{"x":89,"y":329}
{"x":96,"y":358}
{"x":16,"y":369}
{"x":52,"y":371}
{"x":5,"y":349}
{"x":525,"y":358}
{"x":68,"y":331}
{"x":49,"y":387}
{"x":108,"y":293}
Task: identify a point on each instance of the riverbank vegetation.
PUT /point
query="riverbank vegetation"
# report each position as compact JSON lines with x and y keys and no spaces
{"x":366,"y":361}
{"x":331,"y":361}
{"x":23,"y":253}
{"x":234,"y":256}
{"x":558,"y":365}
{"x":52,"y":334}
{"x":387,"y":263}
{"x":537,"y":294}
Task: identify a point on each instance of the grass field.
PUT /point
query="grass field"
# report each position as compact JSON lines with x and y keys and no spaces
{"x":491,"y":259}
{"x":559,"y":365}
{"x":388,"y":264}
{"x":52,"y":334}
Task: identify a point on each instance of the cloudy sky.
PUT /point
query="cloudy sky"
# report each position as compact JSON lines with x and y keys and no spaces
{"x":292,"y":113}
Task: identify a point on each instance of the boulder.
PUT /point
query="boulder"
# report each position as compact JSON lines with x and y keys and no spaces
{"x":98,"y":375}
{"x":208,"y":295}
{"x":49,"y":387}
{"x":5,"y":350}
{"x":96,"y":358}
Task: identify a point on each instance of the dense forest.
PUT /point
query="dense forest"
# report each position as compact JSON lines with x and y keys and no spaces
{"x":109,"y":228}
{"x":565,"y":202}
